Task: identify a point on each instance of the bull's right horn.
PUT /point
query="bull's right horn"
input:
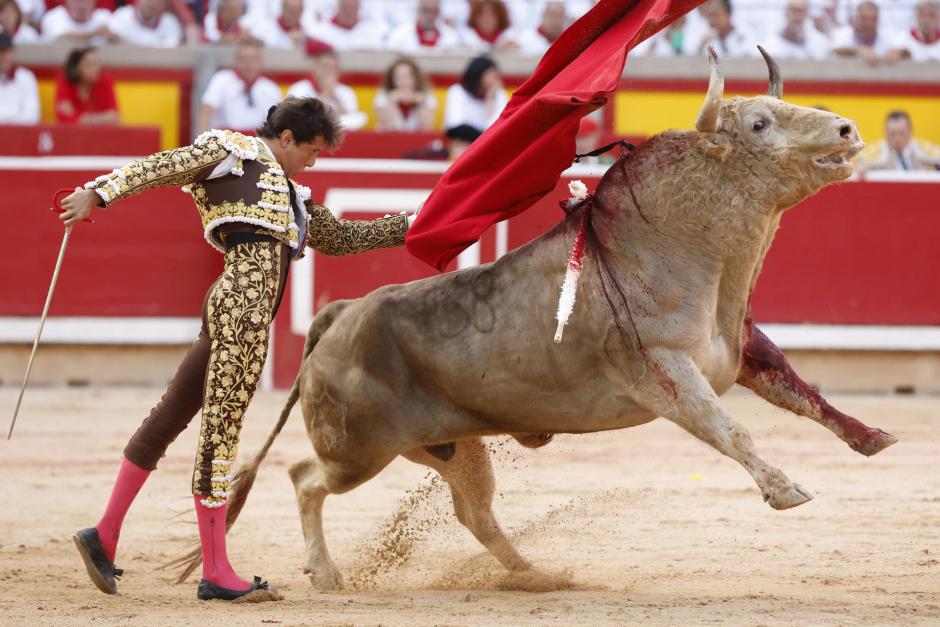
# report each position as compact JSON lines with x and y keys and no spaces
{"x":775,"y":86}
{"x":707,"y":121}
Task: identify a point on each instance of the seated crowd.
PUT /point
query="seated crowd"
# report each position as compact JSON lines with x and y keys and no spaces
{"x":878,"y":31}
{"x":239,"y":97}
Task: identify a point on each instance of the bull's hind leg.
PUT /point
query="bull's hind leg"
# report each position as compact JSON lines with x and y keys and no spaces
{"x":469,"y":474}
{"x":311,"y":487}
{"x":765,"y":370}
{"x":675,"y":389}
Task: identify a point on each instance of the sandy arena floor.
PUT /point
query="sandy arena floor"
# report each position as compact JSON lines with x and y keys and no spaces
{"x":651,"y":525}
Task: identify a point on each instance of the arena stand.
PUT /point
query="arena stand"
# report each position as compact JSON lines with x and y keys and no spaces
{"x":848,"y":287}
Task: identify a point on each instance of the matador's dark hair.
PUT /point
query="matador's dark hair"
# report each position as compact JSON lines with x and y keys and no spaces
{"x":306,"y":118}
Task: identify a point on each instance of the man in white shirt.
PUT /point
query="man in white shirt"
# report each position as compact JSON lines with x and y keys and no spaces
{"x":864,"y":38}
{"x":921,"y":43}
{"x":324,"y":84}
{"x":798,"y":38}
{"x":147,"y":24}
{"x":238,"y":99}
{"x":19,"y":94}
{"x":535,"y":41}
{"x":284,"y":30}
{"x":228,"y":23}
{"x":426,"y":33}
{"x":347,"y":28}
{"x":723,"y":33}
{"x":77,"y":22}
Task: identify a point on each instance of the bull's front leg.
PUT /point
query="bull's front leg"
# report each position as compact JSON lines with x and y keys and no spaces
{"x":765,"y":370}
{"x":675,"y":389}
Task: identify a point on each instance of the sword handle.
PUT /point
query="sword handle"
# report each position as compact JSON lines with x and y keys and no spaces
{"x":57,"y":199}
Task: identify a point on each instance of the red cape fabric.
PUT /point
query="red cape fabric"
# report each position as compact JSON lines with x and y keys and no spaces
{"x":521,"y":156}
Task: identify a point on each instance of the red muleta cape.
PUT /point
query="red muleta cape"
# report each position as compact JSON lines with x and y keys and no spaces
{"x":521,"y":156}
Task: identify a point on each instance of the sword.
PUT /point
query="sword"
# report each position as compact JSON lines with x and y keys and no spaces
{"x":56,"y":199}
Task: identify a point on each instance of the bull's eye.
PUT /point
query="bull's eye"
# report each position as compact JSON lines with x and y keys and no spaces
{"x":759,"y":125}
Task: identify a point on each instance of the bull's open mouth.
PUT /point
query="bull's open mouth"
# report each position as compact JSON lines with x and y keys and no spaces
{"x":840,"y":158}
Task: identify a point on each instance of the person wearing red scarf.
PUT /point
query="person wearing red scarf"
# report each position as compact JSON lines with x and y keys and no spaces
{"x":284,"y":31}
{"x":227,"y":24}
{"x":238,"y":98}
{"x":149,"y":23}
{"x":348,"y":28}
{"x":427,"y":32}
{"x":488,"y":27}
{"x":536,"y":40}
{"x":921,"y":43}
{"x":77,"y":22}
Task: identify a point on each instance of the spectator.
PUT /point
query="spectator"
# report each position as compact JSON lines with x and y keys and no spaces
{"x":427,"y":32}
{"x":19,"y":93}
{"x":535,"y":41}
{"x":899,"y":150}
{"x":347,"y":29}
{"x":146,"y":24}
{"x":722,"y":33}
{"x":479,"y":97}
{"x":228,"y":24}
{"x":284,"y":31}
{"x":11,"y":23}
{"x":32,"y":11}
{"x":863,"y":38}
{"x":921,"y":43}
{"x":522,"y":14}
{"x":798,"y":38}
{"x":669,"y":42}
{"x":239,"y":98}
{"x":405,"y":101}
{"x":85,"y":95}
{"x":460,"y":137}
{"x":77,"y":22}
{"x":487,"y":28}
{"x":324,"y":84}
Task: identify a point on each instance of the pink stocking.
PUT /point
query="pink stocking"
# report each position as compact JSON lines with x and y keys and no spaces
{"x":215,"y":566}
{"x":128,"y":483}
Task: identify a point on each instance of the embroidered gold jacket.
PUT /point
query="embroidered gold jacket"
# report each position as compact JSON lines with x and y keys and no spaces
{"x":254,"y":191}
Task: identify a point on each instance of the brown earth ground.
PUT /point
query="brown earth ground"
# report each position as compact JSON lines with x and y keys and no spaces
{"x":638,"y":526}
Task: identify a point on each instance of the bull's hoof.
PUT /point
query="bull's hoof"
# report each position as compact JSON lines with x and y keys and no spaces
{"x":788,"y":497}
{"x":325,"y":576}
{"x":873,"y":442}
{"x":534,"y":440}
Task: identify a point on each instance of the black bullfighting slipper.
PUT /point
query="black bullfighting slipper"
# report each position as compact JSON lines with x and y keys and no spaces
{"x":209,"y":591}
{"x":100,"y":569}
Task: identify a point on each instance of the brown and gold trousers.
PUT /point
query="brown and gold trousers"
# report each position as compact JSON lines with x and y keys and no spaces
{"x":221,"y":371}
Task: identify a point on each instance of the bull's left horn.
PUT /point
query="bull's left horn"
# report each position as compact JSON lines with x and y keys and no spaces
{"x":707,"y":121}
{"x":775,"y":88}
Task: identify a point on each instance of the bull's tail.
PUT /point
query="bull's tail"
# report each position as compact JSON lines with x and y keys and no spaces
{"x":244,"y":478}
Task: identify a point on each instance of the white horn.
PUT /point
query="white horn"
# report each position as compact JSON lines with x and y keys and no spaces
{"x":775,"y":83}
{"x":707,"y":121}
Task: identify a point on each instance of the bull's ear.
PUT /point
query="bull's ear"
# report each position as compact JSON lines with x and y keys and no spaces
{"x":716,"y":145}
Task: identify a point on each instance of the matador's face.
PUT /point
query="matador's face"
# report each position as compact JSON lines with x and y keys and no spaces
{"x":295,"y":156}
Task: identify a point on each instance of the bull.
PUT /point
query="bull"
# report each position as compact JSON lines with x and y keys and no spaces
{"x":679,"y":230}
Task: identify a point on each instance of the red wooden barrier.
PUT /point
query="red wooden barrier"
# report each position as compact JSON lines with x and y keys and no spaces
{"x":70,"y":139}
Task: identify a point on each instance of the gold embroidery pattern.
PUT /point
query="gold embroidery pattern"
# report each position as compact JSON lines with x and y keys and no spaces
{"x":238,"y":314}
{"x":330,"y":236}
{"x":170,"y":168}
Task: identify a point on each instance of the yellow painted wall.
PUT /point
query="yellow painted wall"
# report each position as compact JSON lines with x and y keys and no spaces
{"x":140,"y":104}
{"x":648,"y":113}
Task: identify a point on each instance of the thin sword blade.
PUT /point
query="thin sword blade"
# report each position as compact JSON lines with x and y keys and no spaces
{"x":42,"y":322}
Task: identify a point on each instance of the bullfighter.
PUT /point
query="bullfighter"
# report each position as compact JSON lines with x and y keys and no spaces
{"x":260,"y":220}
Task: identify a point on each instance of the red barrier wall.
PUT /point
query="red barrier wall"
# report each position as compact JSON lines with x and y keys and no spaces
{"x":857,"y":253}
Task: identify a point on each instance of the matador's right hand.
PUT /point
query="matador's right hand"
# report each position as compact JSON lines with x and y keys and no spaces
{"x":78,"y":205}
